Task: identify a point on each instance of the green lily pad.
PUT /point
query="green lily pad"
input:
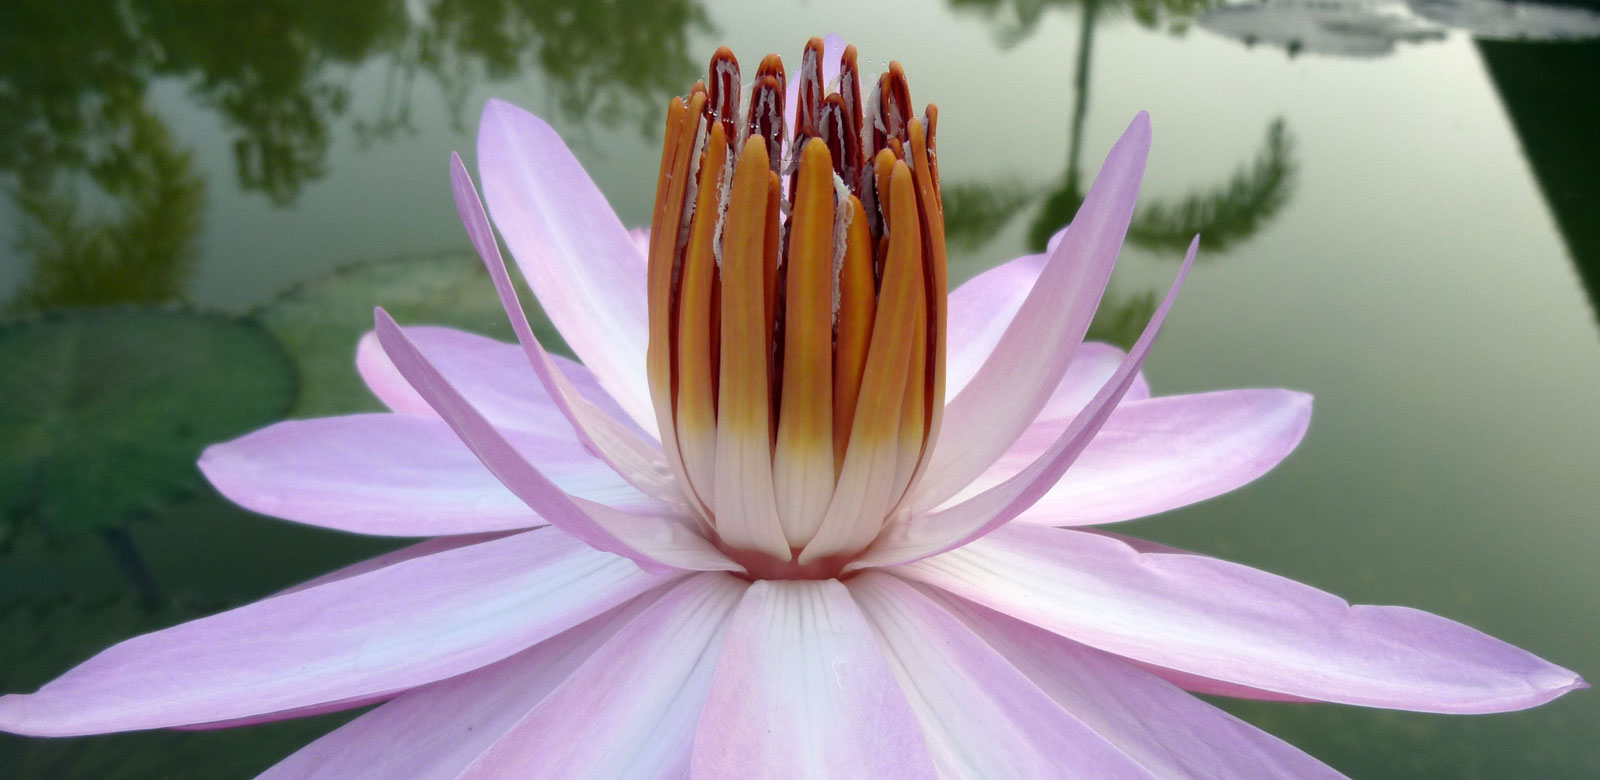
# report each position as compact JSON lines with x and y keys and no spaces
{"x":105,"y":410}
{"x":321,"y":321}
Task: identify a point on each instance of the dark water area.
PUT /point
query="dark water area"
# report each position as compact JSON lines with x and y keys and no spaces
{"x":1400,"y":207}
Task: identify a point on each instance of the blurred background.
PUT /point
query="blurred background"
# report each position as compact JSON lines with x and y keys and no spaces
{"x":200,"y":202}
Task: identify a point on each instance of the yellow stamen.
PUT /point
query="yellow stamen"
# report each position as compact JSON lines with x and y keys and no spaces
{"x":683,"y":125}
{"x":866,"y":489}
{"x":937,"y":278}
{"x":802,"y":462}
{"x":746,"y":516}
{"x":857,"y":303}
{"x":697,"y":334}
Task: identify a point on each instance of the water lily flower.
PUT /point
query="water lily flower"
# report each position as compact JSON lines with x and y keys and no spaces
{"x":747,"y":536}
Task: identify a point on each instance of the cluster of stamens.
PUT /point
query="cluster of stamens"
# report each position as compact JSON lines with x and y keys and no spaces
{"x":797,"y":308}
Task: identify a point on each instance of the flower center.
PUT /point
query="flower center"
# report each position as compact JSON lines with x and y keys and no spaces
{"x":797,"y":308}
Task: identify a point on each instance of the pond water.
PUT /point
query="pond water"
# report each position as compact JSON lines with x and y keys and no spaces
{"x":1401,"y":215}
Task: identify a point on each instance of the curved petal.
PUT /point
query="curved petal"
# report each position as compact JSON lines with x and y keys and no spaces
{"x":436,"y":731}
{"x":1220,"y":620}
{"x":1161,"y":454}
{"x":802,"y":691}
{"x":580,"y":262}
{"x":366,"y":636}
{"x":1011,"y":387}
{"x":638,"y":459}
{"x":960,"y":524}
{"x":982,"y":717}
{"x":980,"y":310}
{"x":1169,"y":732}
{"x":398,"y":475}
{"x":493,"y":375}
{"x":655,"y":543}
{"x":630,"y":710}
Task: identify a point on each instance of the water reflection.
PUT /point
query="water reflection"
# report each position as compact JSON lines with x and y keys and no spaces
{"x":1016,"y":20}
{"x":74,"y":74}
{"x":1549,"y":93}
{"x":140,"y":250}
{"x":1225,"y":214}
{"x":1374,"y":28}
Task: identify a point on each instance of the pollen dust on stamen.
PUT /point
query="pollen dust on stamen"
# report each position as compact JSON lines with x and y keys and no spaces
{"x":766,"y":310}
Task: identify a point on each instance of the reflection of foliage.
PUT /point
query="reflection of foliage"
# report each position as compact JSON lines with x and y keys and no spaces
{"x":264,"y":66}
{"x":144,"y":254}
{"x":1224,"y":216}
{"x":611,"y":58}
{"x":1017,"y":20}
{"x":107,"y":409}
{"x":1229,"y":214}
{"x":975,"y":211}
{"x":68,"y":69}
{"x":71,"y":71}
{"x":1120,"y":322}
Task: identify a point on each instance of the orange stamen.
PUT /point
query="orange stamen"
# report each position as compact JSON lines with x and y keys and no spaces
{"x":746,"y":516}
{"x":802,"y":461}
{"x":697,"y":364}
{"x":857,"y":303}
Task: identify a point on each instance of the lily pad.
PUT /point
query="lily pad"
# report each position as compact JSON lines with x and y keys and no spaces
{"x":321,"y":321}
{"x":105,"y":410}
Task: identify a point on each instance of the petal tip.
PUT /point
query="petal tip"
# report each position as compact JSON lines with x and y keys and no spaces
{"x":1139,"y":130}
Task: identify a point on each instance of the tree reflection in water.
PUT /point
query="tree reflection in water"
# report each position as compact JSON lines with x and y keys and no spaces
{"x":1225,"y":215}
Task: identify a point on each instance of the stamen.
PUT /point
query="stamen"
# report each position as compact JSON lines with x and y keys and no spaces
{"x":683,"y":125}
{"x":746,"y":516}
{"x":697,"y":332}
{"x":796,"y":356}
{"x":936,"y":275}
{"x":857,"y":302}
{"x":844,"y":142}
{"x":802,"y":461}
{"x":894,"y":109}
{"x":913,"y":412}
{"x":882,"y":166}
{"x":723,"y":86}
{"x":808,"y":99}
{"x":772,"y":245}
{"x":867,"y":488}
{"x":766,"y":108}
{"x":850,"y":94}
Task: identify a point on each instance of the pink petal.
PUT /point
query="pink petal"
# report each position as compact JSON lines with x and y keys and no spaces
{"x":366,"y":636}
{"x":397,"y":475}
{"x":434,"y":732}
{"x":1169,"y":732}
{"x":637,"y":458}
{"x":655,"y":543}
{"x":950,"y":528}
{"x":980,"y":310}
{"x":982,"y":717}
{"x":493,"y":375}
{"x":802,"y":691}
{"x":421,"y":549}
{"x":641,"y":241}
{"x":630,"y":709}
{"x":1227,"y":622}
{"x":581,"y":263}
{"x":1009,"y":390}
{"x":1161,"y":454}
